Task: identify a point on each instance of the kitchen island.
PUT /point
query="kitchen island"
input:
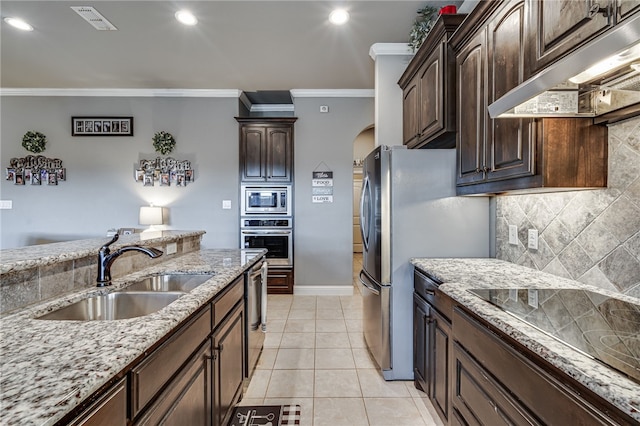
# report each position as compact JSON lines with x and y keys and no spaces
{"x":457,"y":276}
{"x":48,"y":368}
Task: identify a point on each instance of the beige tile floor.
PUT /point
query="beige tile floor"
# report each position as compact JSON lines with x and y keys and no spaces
{"x":315,"y":356}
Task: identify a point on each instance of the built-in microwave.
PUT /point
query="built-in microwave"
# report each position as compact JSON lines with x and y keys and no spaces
{"x":265,"y":200}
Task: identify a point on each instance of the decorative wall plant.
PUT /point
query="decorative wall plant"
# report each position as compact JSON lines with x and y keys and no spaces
{"x":34,"y":141}
{"x":164,"y":142}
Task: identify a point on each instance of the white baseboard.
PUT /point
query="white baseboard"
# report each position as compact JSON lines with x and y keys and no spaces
{"x":323,"y":290}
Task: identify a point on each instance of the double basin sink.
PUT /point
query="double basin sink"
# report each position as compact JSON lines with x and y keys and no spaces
{"x":141,"y":298}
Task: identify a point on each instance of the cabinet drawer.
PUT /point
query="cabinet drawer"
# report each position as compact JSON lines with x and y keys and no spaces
{"x":429,"y":290}
{"x":224,"y":305}
{"x":552,"y":401}
{"x":108,"y":410}
{"x":150,"y":376}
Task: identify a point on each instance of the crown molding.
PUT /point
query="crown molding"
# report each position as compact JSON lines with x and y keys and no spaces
{"x":389,"y":49}
{"x":131,"y":93}
{"x":333,"y":93}
{"x":181,"y":93}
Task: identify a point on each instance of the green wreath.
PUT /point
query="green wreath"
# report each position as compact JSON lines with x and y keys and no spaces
{"x":164,"y":142}
{"x":34,"y":141}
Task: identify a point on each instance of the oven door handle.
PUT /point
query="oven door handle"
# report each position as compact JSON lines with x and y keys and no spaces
{"x":267,"y":232}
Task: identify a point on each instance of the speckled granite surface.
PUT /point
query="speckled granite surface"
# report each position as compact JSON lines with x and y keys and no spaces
{"x":22,"y":258}
{"x":459,"y":275}
{"x":48,"y":367}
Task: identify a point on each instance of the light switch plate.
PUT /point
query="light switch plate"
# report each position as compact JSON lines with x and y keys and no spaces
{"x":172,"y":248}
{"x":513,"y":235}
{"x":6,"y":204}
{"x":533,"y":239}
{"x":226,"y":204}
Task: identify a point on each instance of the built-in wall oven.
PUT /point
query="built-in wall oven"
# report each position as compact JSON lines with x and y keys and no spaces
{"x":265,"y":200}
{"x":272,"y":233}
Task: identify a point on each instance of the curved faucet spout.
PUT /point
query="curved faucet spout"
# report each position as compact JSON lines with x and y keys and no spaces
{"x":106,"y":259}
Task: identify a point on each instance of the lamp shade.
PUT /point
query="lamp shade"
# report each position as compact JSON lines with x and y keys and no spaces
{"x":151,"y":216}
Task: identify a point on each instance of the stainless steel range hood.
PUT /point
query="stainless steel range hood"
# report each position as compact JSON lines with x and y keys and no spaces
{"x":550,"y":93}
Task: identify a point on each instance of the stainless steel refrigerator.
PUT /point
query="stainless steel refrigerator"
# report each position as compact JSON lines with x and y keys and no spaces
{"x":409,"y":208}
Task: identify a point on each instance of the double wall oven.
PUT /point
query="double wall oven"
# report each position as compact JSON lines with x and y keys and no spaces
{"x":266,"y":222}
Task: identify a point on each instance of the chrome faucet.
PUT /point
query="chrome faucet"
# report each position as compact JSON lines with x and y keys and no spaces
{"x":106,"y":259}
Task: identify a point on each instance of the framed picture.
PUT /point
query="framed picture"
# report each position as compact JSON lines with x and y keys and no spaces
{"x":101,"y":126}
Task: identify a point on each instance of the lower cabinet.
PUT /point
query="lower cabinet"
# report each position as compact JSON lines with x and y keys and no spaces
{"x":187,"y":400}
{"x":474,"y":374}
{"x":108,"y":410}
{"x":280,"y":280}
{"x":193,"y":377}
{"x":228,"y":365}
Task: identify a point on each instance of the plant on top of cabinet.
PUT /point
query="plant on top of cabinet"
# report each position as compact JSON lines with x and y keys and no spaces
{"x":429,"y":91}
{"x":422,"y":26}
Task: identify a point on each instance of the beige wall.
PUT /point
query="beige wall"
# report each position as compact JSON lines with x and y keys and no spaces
{"x":590,"y":236}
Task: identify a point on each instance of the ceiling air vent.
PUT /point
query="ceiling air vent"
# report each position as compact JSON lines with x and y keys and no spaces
{"x":92,"y":16}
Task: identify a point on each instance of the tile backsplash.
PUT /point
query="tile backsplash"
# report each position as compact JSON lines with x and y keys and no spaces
{"x":590,"y":236}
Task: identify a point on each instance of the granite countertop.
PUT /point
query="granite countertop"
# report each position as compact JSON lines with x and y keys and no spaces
{"x":459,"y":275}
{"x":21,"y":258}
{"x":48,"y":367}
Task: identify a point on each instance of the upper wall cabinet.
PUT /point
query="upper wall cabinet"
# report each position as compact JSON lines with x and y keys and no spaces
{"x":266,"y":149}
{"x":509,"y":154}
{"x":429,"y":90}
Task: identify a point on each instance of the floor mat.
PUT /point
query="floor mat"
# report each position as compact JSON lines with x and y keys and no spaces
{"x":265,"y":415}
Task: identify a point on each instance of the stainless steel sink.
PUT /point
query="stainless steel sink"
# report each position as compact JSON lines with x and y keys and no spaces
{"x":169,"y":282}
{"x":114,"y":306}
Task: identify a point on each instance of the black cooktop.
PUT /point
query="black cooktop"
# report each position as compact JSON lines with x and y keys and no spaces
{"x":603,"y":327}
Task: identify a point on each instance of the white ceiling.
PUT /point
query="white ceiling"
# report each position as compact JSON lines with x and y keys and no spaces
{"x":246,"y":45}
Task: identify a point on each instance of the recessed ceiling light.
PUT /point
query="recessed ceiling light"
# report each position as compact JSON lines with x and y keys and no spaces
{"x":339,"y":16}
{"x":18,"y":23}
{"x":186,"y":17}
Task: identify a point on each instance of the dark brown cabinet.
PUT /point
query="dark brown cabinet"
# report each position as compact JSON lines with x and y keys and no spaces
{"x":280,"y":280}
{"x":511,"y":154}
{"x":266,"y":149}
{"x":108,"y":410}
{"x":228,"y":365}
{"x":495,"y":381}
{"x":560,"y":26}
{"x":432,"y":344}
{"x":429,"y":90}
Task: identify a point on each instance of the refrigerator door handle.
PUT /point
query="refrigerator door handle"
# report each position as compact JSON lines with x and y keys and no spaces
{"x":366,"y":284}
{"x":366,"y":193}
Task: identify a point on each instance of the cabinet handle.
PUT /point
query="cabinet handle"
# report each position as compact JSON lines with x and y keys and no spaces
{"x":485,"y":169}
{"x":478,"y":170}
{"x":595,"y":9}
{"x":219,"y":348}
{"x":430,"y":292}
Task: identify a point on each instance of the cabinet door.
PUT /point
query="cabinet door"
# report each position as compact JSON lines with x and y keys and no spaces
{"x":187,"y":399}
{"x":472,"y":113}
{"x":440,"y":342}
{"x":279,"y":154}
{"x":509,"y":141}
{"x":560,"y":26}
{"x":228,"y":348}
{"x":410,"y":108}
{"x":627,"y":8}
{"x":421,"y":338}
{"x":431,"y":94}
{"x":253,"y":155}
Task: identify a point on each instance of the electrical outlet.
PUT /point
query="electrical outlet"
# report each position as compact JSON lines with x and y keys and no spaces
{"x":172,"y":248}
{"x":513,"y":235}
{"x":532,"y":298}
{"x":533,"y":239}
{"x":513,"y":294}
{"x":226,"y":204}
{"x":324,"y":108}
{"x":6,"y":204}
